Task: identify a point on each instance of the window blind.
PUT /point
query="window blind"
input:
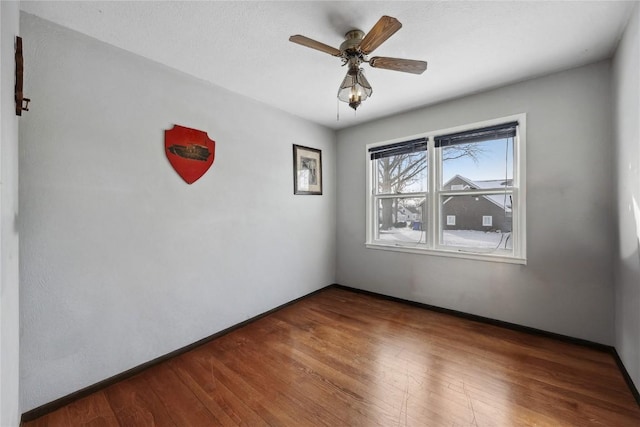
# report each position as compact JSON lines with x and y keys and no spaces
{"x":405,"y":147}
{"x":505,"y":130}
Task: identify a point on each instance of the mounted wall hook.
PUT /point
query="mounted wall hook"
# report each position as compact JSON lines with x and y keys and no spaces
{"x":22,"y":103}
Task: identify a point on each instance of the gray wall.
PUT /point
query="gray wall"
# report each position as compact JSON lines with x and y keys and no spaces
{"x":566,"y":286}
{"x":626,"y":90}
{"x":9,"y":268}
{"x":121,"y":260}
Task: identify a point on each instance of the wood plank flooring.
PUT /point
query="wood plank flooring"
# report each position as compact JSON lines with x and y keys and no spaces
{"x":340,"y":358}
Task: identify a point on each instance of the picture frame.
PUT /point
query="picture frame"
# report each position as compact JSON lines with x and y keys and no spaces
{"x":307,"y":170}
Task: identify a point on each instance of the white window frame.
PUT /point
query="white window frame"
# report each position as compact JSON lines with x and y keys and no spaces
{"x":435,"y":220}
{"x":487,"y":221}
{"x":451,"y":220}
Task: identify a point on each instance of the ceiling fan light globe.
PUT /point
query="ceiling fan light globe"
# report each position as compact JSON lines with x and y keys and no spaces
{"x":355,"y":88}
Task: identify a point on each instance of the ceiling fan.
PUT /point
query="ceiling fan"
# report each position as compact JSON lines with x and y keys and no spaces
{"x":354,"y":50}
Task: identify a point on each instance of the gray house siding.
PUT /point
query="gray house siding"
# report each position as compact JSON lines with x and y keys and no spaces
{"x":469,"y":211}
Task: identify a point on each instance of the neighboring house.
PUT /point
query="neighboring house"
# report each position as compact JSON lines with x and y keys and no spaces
{"x":485,"y":213}
{"x":407,"y":214}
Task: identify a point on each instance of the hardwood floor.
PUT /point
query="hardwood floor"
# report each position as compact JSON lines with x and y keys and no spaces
{"x":340,"y":358}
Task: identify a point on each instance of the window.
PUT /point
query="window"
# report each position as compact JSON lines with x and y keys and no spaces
{"x":456,"y":192}
{"x":401,"y":179}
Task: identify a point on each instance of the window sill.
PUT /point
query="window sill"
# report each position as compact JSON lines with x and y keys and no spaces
{"x":448,"y":253}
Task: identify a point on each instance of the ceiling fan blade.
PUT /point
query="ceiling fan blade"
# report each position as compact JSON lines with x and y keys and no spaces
{"x":397,"y":64}
{"x":384,"y":28}
{"x":306,"y":41}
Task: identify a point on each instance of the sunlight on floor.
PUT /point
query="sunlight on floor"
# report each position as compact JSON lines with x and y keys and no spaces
{"x":418,"y":385}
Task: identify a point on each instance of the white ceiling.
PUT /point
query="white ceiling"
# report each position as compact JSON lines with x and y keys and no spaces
{"x":243,"y":45}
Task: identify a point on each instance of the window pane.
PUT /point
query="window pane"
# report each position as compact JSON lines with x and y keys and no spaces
{"x":403,"y":173}
{"x":481,"y":221}
{"x":487,"y":164}
{"x":402,"y":219}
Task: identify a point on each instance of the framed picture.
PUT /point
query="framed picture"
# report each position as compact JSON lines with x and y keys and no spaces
{"x":307,"y":170}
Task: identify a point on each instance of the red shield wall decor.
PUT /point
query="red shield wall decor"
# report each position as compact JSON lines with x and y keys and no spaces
{"x":190,"y":152}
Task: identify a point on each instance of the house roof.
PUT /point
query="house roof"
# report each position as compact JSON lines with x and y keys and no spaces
{"x":503,"y":201}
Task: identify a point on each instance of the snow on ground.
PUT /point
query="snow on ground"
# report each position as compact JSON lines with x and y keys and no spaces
{"x":458,"y":238}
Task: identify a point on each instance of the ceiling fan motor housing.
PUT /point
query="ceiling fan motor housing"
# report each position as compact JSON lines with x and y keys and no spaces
{"x":352,"y":41}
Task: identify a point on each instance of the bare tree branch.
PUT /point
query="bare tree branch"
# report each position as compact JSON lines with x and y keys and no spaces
{"x":472,"y":150}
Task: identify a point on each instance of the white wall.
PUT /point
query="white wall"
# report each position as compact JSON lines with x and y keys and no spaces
{"x":626,"y":107}
{"x":9,"y":269}
{"x":121,"y":261}
{"x":566,"y":286}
